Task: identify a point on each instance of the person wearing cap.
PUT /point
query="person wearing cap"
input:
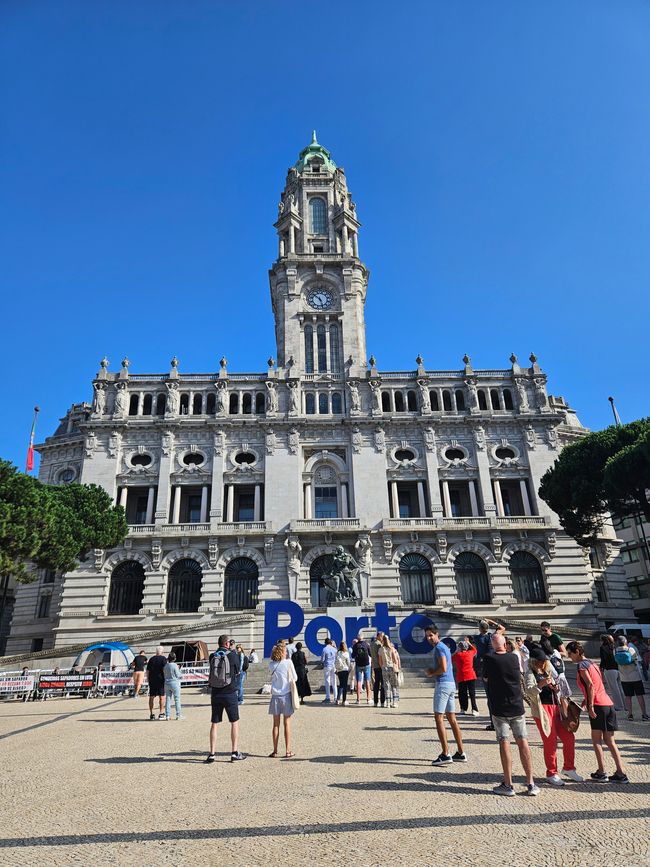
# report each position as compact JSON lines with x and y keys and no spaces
{"x":543,"y":689}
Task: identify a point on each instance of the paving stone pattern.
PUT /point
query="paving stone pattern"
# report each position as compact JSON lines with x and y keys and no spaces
{"x":94,"y":782}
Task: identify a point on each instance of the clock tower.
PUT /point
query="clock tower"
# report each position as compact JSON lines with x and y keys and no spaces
{"x":318,"y":283}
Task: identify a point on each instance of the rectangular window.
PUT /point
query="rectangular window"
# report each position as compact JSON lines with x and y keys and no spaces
{"x":194,"y":508}
{"x":48,"y":576}
{"x":325,"y":503}
{"x":321,"y":338}
{"x":141,"y":511}
{"x":309,"y":349}
{"x":601,"y":595}
{"x":631,"y":556}
{"x":44,"y":605}
{"x":37,"y":644}
{"x":246,"y":507}
{"x":405,"y":504}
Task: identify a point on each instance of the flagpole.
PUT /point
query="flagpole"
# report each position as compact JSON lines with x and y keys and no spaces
{"x":30,"y":451}
{"x":617,"y":418}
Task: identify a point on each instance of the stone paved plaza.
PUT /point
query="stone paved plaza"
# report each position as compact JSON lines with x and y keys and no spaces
{"x":94,"y":782}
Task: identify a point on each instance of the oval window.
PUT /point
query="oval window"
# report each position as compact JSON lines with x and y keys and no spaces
{"x":404,"y":455}
{"x":455,"y":455}
{"x":245,"y":458}
{"x":193,"y":458}
{"x":141,"y":460}
{"x":67,"y":475}
{"x":504,"y":453}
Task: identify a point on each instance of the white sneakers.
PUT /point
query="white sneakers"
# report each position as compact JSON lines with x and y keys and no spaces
{"x":555,"y":780}
{"x":573,"y":775}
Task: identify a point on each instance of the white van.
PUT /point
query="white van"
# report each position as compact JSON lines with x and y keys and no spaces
{"x":631,"y":630}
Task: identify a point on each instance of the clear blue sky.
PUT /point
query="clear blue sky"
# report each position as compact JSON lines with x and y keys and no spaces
{"x":497,"y":151}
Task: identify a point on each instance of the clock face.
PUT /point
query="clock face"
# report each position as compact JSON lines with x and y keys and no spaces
{"x":320,"y":298}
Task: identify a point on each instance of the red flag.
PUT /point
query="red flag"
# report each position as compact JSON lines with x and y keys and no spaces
{"x":30,"y":450}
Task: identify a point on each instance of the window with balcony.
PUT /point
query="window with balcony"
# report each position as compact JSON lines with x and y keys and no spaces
{"x":472,"y":581}
{"x":317,"y":216}
{"x":416,"y":580}
{"x":326,"y":501}
{"x":126,"y":588}
{"x":136,"y":505}
{"x":527,"y":578}
{"x":161,"y":404}
{"x":184,"y":586}
{"x":241,"y":585}
{"x":310,"y":403}
{"x":309,"y":349}
{"x":147,"y":404}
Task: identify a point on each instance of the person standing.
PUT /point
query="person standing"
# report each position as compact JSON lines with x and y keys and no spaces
{"x":342,"y":668}
{"x":463,"y":660}
{"x":557,"y":642}
{"x":283,"y":674}
{"x":627,"y":660}
{"x":602,"y":716}
{"x":328,"y":658}
{"x":156,"y":679}
{"x":502,"y":675}
{"x":443,"y":698}
{"x":253,"y":658}
{"x":391,"y":665}
{"x":138,"y":665}
{"x":224,"y":677}
{"x":361,"y":654}
{"x":483,"y":643}
{"x":378,"y":685}
{"x":291,"y":648}
{"x":543,"y":688}
{"x":243,"y":669}
{"x":609,"y":671}
{"x":172,"y":677}
{"x":299,"y":661}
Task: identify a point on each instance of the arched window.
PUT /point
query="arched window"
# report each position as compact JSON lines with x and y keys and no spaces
{"x":233,"y":407}
{"x":260,"y":403}
{"x":482,"y":402}
{"x":399,"y":401}
{"x":337,"y":405}
{"x":161,"y":404}
{"x":411,"y":401}
{"x":446,"y":401}
{"x":323,"y":408}
{"x":310,"y":403}
{"x":321,"y":338}
{"x":527,"y":579}
{"x":335,"y":353}
{"x":471,"y":579}
{"x":326,"y":492}
{"x":433,"y":397}
{"x":416,"y":580}
{"x":133,"y":404}
{"x":241,"y":581}
{"x":127,"y":588}
{"x":147,"y":405}
{"x":247,"y":403}
{"x":507,"y":399}
{"x":211,"y":407}
{"x":460,"y":400}
{"x":494,"y":398}
{"x":185,"y":404}
{"x":320,"y":593}
{"x":309,"y":349}
{"x":197,"y":404}
{"x":385,"y":401}
{"x":318,"y":216}
{"x":184,"y":586}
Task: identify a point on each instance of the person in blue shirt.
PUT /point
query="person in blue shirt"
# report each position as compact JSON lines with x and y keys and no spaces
{"x":328,"y":658}
{"x":444,"y":702}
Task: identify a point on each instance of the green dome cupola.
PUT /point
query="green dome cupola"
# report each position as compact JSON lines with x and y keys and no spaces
{"x":315,"y":157}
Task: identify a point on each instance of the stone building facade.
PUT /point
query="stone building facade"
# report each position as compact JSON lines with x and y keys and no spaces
{"x":239,"y":487}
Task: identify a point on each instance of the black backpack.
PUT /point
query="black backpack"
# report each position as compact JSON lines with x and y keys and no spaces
{"x":361,"y":656}
{"x":245,"y":663}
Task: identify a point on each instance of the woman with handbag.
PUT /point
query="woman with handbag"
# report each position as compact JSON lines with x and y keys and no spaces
{"x":283,"y":678}
{"x":390,"y":664}
{"x":342,"y":669}
{"x":543,"y":689}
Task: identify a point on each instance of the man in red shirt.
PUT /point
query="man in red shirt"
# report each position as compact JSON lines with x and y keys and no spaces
{"x":463,"y":660}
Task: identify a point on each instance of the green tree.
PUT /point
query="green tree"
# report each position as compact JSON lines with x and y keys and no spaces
{"x":606,"y":471}
{"x":52,"y":527}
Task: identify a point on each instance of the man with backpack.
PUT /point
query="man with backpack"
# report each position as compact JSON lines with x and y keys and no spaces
{"x":224,"y":683}
{"x":361,"y":656}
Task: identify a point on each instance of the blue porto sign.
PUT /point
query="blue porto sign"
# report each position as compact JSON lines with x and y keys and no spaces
{"x":276,"y":609}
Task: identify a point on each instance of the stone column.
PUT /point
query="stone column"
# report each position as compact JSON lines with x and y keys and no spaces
{"x":394,"y":498}
{"x":150,"y":503}
{"x":422,"y":504}
{"x":256,"y":504}
{"x":344,"y":239}
{"x":473,"y":499}
{"x":123,"y":496}
{"x":231,"y":503}
{"x":177,"y":505}
{"x":523,"y":487}
{"x":487,"y":495}
{"x":498,"y":498}
{"x":308,"y":501}
{"x":204,"y":504}
{"x":344,"y":500}
{"x":355,"y":245}
{"x":446,"y":499}
{"x":292,"y":241}
{"x":164,"y":489}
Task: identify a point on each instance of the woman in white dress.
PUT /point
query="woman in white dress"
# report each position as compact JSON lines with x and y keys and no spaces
{"x":283,"y":675}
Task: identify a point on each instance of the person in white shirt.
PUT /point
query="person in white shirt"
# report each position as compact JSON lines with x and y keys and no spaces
{"x":291,"y":648}
{"x":342,"y":668}
{"x":253,"y":658}
{"x":281,"y":705}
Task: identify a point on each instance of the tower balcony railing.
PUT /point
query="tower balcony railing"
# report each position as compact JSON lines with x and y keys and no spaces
{"x":201,"y":529}
{"x":516,"y":522}
{"x":306,"y":524}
